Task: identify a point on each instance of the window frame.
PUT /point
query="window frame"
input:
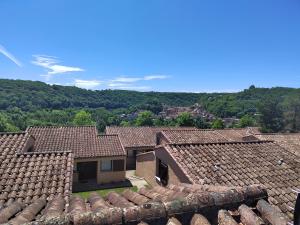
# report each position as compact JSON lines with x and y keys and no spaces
{"x":102,"y":163}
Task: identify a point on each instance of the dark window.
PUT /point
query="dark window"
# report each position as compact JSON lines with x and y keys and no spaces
{"x":163,"y":172}
{"x":118,"y":165}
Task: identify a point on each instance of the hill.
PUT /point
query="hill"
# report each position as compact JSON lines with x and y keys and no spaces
{"x":37,"y":100}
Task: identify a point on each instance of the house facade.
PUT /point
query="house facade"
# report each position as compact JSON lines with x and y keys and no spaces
{"x":98,"y":159}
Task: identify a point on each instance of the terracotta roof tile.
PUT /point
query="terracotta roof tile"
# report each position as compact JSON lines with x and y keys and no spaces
{"x":83,"y":141}
{"x":242,"y":164}
{"x":193,"y":136}
{"x":290,"y":142}
{"x":132,"y":137}
{"x":194,"y":204}
{"x":110,"y":145}
{"x":26,"y":177}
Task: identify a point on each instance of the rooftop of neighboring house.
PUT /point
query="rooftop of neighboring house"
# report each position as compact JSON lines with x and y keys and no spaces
{"x":290,"y":141}
{"x":189,"y":136}
{"x":241,"y":164}
{"x":238,"y":134}
{"x":136,"y":137}
{"x":176,"y":204}
{"x":110,"y":145}
{"x":82,"y":141}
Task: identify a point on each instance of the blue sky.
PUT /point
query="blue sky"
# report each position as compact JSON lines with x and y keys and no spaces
{"x":159,"y":45}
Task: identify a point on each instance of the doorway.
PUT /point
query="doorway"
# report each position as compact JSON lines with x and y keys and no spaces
{"x":87,"y":171}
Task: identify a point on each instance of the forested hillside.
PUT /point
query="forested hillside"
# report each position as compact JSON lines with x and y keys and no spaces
{"x":24,"y":103}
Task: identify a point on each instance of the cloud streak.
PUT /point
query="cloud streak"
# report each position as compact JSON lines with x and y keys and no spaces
{"x":10,"y":56}
{"x":87,"y":84}
{"x":52,"y":66}
{"x":130,"y":83}
{"x":156,"y":77}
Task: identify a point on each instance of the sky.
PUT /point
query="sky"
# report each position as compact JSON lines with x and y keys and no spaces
{"x":153,"y":45}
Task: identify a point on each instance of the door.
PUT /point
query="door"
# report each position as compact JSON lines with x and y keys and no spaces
{"x":87,"y":171}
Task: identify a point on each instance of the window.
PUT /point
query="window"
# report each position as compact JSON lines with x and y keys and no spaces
{"x":106,"y":165}
{"x":30,"y":149}
{"x":118,"y":165}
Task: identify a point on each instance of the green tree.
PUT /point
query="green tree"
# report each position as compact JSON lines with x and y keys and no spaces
{"x":218,"y":124}
{"x":5,"y":125}
{"x":159,"y":122}
{"x":271,"y":114}
{"x":292,"y":113}
{"x":144,"y":119}
{"x":201,"y":123}
{"x":185,"y":119}
{"x":125,"y":123}
{"x":83,"y":118}
{"x":246,"y":121}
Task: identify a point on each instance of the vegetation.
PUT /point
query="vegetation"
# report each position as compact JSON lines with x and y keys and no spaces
{"x":24,"y":103}
{"x":104,"y":192}
{"x":185,"y":119}
{"x":83,"y":118}
{"x":144,"y":119}
{"x":246,"y":121}
{"x":218,"y":124}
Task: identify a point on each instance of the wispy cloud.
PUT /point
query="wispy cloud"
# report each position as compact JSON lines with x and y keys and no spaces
{"x":120,"y":83}
{"x":136,"y":88}
{"x":51,"y":64}
{"x":10,"y":56}
{"x":126,"y":79}
{"x":131,"y":83}
{"x":87,"y":84}
{"x":156,"y":77}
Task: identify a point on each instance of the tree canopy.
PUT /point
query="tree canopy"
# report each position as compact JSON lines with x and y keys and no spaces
{"x":25,"y":103}
{"x":83,"y":118}
{"x":144,"y":119}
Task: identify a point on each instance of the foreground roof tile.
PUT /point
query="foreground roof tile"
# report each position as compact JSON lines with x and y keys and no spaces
{"x":201,"y":205}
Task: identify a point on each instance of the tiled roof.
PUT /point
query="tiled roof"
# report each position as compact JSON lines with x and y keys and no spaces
{"x":291,"y":142}
{"x":233,"y":134}
{"x":26,"y":177}
{"x":82,"y":141}
{"x":140,"y":136}
{"x":134,"y":136}
{"x":176,"y":204}
{"x":110,"y":145}
{"x":190,"y":136}
{"x":242,"y":164}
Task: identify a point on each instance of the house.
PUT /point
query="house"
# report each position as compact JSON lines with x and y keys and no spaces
{"x":36,"y":183}
{"x":138,"y":140}
{"x":98,"y":159}
{"x":239,"y":164}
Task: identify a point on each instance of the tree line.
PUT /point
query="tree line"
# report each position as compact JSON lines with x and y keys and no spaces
{"x":25,"y":103}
